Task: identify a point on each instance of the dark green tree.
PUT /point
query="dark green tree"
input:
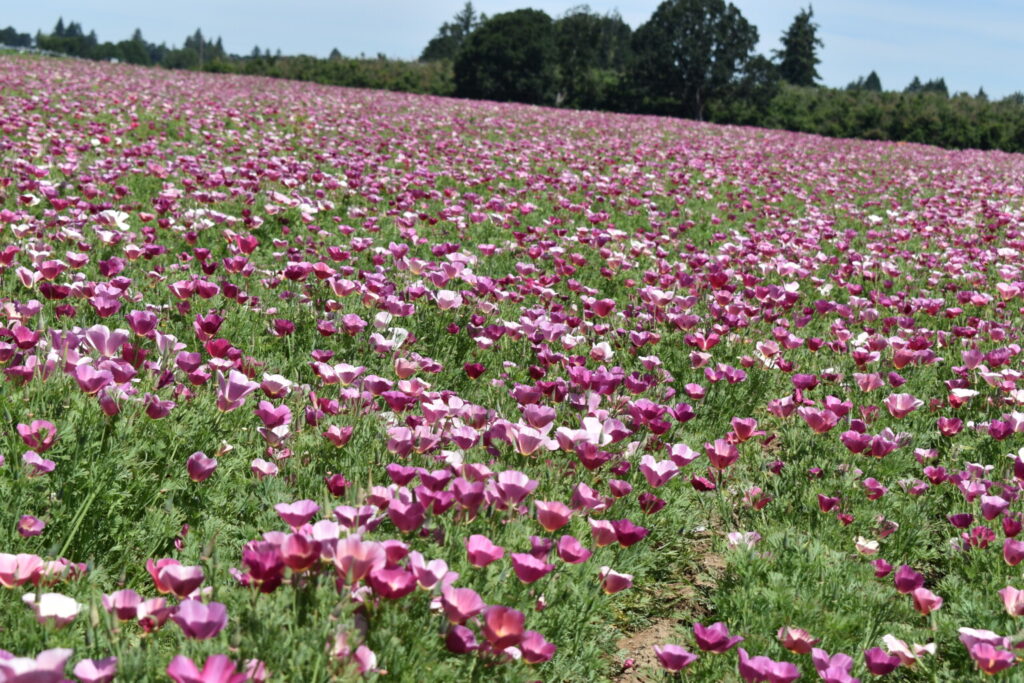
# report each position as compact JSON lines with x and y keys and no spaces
{"x":936,"y":85}
{"x":510,"y":57}
{"x":335,"y":55}
{"x":689,"y":52}
{"x":451,"y":35}
{"x":593,"y":52}
{"x":798,"y":58}
{"x":871,"y":83}
{"x":10,"y":36}
{"x":59,"y":30}
{"x":748,"y":98}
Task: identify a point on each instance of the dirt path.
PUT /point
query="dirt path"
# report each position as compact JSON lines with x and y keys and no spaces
{"x":680,"y":600}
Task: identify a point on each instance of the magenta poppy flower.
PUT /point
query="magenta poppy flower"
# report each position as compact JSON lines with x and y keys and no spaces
{"x":925,"y":601}
{"x":627,"y":533}
{"x":392,"y":584}
{"x":36,"y":465}
{"x":179,"y":579}
{"x":232,"y":390}
{"x":602,"y":531}
{"x":263,"y":468}
{"x":338,"y":436}
{"x":199,"y":620}
{"x":552,"y":515}
{"x":460,"y":604}
{"x":882,"y":568}
{"x":96,"y":670}
{"x":993,"y":506}
{"x":502,"y":626}
{"x":901,"y":405}
{"x":745,"y":428}
{"x":460,"y":640}
{"x":673,"y":658}
{"x":513,"y":486}
{"x":571,"y":551}
{"x":820,"y":421}
{"x":406,"y":516}
{"x":535,"y":648}
{"x":990,"y":659}
{"x":16,"y":570}
{"x":298,"y":513}
{"x":30,"y":526}
{"x":879,"y":662}
{"x":38,"y":435}
{"x":835,"y":668}
{"x":1013,"y":551}
{"x":299,"y":553}
{"x":354,"y":558}
{"x":721,"y":453}
{"x":761,"y":668}
{"x":529,"y":568}
{"x":200,"y":467}
{"x":657,"y":472}
{"x":157,"y":408}
{"x":715,"y":638}
{"x":613,"y":582}
{"x":216,"y":669}
{"x":907,"y":580}
{"x":142,"y":323}
{"x":481,"y":551}
{"x":1013,"y":600}
{"x":273,"y":416}
{"x":123,"y":604}
{"x":797,"y":640}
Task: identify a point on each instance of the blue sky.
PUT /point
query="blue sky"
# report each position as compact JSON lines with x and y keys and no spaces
{"x":971,"y":44}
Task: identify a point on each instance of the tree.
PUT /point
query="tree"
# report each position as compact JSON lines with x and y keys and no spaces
{"x":689,"y":52}
{"x":935,"y":85}
{"x":748,"y":99}
{"x":798,"y":56}
{"x":592,"y":52}
{"x":451,"y":35}
{"x":10,"y":36}
{"x":871,"y":83}
{"x":59,"y":29}
{"x":335,"y":55}
{"x":510,"y":57}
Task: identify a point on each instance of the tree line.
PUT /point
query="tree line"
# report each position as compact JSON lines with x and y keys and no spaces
{"x":692,"y":58}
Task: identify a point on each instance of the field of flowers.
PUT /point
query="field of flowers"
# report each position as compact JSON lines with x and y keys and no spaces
{"x":303,"y":384}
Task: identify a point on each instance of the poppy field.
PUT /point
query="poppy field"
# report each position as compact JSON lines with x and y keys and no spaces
{"x":303,"y":383}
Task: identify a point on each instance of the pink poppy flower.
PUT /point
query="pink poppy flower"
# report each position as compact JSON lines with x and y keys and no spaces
{"x":613,"y":582}
{"x":715,"y":638}
{"x":481,"y":551}
{"x":673,"y":658}
{"x":502,"y":626}
{"x":216,"y":669}
{"x":96,"y":670}
{"x":460,"y":604}
{"x":199,"y":620}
